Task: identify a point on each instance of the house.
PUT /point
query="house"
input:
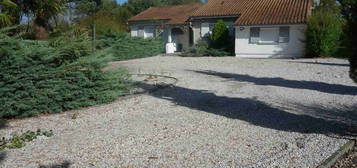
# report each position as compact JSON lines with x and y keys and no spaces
{"x":260,"y":28}
{"x":167,"y":22}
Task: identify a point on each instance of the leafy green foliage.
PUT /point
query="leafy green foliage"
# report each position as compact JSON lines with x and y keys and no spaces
{"x":202,"y":49}
{"x":5,"y":7}
{"x":181,"y":2}
{"x":19,"y":141}
{"x":123,"y":47}
{"x":220,"y":35}
{"x":219,"y":43}
{"x":48,"y":77}
{"x":324,"y":31}
{"x":137,"y":6}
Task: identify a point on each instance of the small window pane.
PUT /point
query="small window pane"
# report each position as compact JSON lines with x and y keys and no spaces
{"x":254,"y":34}
{"x":284,"y":34}
{"x":269,"y":35}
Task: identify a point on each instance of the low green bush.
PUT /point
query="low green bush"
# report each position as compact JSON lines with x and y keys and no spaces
{"x":202,"y":49}
{"x":19,"y":140}
{"x":120,"y":46}
{"x":48,"y":77}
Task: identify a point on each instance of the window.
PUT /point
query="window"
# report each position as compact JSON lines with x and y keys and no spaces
{"x":205,"y":29}
{"x":269,"y":35}
{"x":254,"y":35}
{"x":149,"y":31}
{"x":141,"y":31}
{"x":134,"y":31}
{"x":284,"y":34}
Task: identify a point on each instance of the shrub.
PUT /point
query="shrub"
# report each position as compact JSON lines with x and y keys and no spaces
{"x":323,"y":33}
{"x":218,"y":44}
{"x":220,"y":35}
{"x":120,"y":46}
{"x":202,"y":49}
{"x":48,"y":77}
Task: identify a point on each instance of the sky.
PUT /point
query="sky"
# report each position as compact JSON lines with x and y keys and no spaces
{"x":121,"y":1}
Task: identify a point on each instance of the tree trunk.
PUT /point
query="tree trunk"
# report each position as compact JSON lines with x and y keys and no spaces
{"x":353,"y":61}
{"x":41,"y":29}
{"x":353,"y":33}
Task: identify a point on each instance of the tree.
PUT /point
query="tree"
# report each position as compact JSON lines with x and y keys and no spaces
{"x":87,"y":7}
{"x":5,"y":7}
{"x":349,"y":11}
{"x":220,"y":35}
{"x":182,"y":2}
{"x":324,"y":30}
{"x":137,"y":6}
{"x":107,"y":15}
{"x":43,"y":11}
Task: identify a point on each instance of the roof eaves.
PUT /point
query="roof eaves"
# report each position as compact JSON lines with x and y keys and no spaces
{"x":213,"y":17}
{"x":298,"y":23}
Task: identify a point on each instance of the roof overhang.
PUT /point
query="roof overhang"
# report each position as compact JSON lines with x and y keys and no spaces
{"x":191,"y":18}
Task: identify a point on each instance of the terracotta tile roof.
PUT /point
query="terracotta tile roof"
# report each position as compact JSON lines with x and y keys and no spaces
{"x":174,"y":14}
{"x":222,"y":8}
{"x":275,"y":12}
{"x":253,"y":12}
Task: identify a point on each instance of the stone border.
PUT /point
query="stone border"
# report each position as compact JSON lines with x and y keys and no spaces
{"x":330,"y":161}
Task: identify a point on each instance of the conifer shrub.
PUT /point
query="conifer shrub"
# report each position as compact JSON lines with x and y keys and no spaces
{"x":49,"y":77}
{"x":121,"y":46}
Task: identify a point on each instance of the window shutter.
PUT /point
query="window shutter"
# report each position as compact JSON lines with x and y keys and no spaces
{"x":284,"y":34}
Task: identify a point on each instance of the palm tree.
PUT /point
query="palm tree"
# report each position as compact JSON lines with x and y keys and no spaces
{"x":43,"y":11}
{"x":5,"y":18}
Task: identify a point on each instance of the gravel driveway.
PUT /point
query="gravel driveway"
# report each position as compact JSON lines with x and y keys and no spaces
{"x":223,"y":112}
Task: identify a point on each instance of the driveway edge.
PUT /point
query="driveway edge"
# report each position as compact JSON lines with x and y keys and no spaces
{"x":330,"y":161}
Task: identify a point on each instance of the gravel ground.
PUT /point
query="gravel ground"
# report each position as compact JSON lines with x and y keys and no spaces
{"x":223,"y":112}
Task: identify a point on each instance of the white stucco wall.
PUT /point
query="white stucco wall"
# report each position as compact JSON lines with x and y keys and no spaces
{"x":294,"y":48}
{"x":196,"y":27}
